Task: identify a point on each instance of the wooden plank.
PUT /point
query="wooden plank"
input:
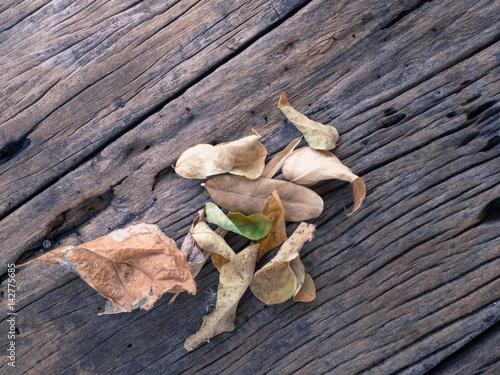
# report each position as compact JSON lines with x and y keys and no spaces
{"x":480,"y":356}
{"x":402,"y":284}
{"x":77,"y":75}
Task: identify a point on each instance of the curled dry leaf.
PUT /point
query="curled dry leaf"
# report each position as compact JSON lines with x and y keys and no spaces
{"x":131,"y":267}
{"x":307,"y":292}
{"x":277,"y":161}
{"x":234,"y":280}
{"x":245,"y":156}
{"x":318,"y":136}
{"x":193,"y":252}
{"x":251,"y":163}
{"x":218,"y":260}
{"x":307,"y":166}
{"x":235,"y":193}
{"x":283,"y":276}
{"x":273,"y":209}
{"x":254,"y":227}
{"x":196,"y":257}
{"x":208,"y":240}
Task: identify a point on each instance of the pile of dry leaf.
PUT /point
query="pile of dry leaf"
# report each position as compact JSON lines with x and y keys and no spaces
{"x":135,"y":266}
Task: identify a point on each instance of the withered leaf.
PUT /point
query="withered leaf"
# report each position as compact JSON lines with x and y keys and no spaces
{"x":196,"y":257}
{"x":254,"y":227}
{"x":218,"y":260}
{"x":193,"y":252}
{"x":307,"y":292}
{"x":277,"y":282}
{"x":273,"y":209}
{"x":245,"y":156}
{"x":131,"y":267}
{"x":208,"y":240}
{"x":318,"y":136}
{"x":239,"y":194}
{"x":277,"y":161}
{"x":234,"y":280}
{"x":251,"y":163}
{"x":307,"y":166}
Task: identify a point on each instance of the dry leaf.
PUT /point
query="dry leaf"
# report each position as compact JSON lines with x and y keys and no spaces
{"x":307,"y":166}
{"x":251,"y":163}
{"x":235,"y":193}
{"x":196,"y":257}
{"x":254,"y":227}
{"x":193,"y":253}
{"x":273,"y":209}
{"x":277,"y":282}
{"x":208,"y":240}
{"x":217,"y":260}
{"x":131,"y":267}
{"x":203,"y":160}
{"x":277,"y":161}
{"x":234,"y":280}
{"x":307,"y":292}
{"x":318,"y":136}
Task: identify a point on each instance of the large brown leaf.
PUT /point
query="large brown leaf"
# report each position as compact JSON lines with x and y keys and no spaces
{"x":273,"y":209}
{"x":307,"y":166}
{"x":283,"y":276}
{"x":245,"y":156}
{"x":131,"y":267}
{"x":318,"y":136}
{"x":234,"y":280}
{"x":239,"y":194}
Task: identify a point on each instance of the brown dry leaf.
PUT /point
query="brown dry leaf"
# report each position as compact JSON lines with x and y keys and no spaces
{"x":196,"y":257}
{"x":307,"y":292}
{"x":277,"y":281}
{"x":251,"y":163}
{"x":234,"y":280}
{"x":245,"y":155}
{"x":318,"y":136}
{"x":307,"y":166}
{"x":131,"y":267}
{"x":193,"y":253}
{"x":217,"y":260}
{"x":277,"y":161}
{"x":239,"y":194}
{"x":273,"y":209}
{"x":210,"y":241}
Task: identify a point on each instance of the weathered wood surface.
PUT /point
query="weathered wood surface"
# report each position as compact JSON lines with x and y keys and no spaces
{"x":98,"y":99}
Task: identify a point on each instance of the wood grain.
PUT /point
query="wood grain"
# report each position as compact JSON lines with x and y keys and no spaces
{"x":408,"y":280}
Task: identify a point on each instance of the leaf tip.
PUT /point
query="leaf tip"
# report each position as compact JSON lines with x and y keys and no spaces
{"x":255,"y":132}
{"x":283,"y":102}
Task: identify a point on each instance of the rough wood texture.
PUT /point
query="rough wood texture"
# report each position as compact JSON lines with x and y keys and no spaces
{"x":98,"y":100}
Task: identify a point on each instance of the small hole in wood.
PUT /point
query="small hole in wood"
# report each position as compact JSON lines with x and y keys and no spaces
{"x":389,"y":111}
{"x":480,"y":109}
{"x":129,"y":345}
{"x":451,"y":114}
{"x":492,"y":143}
{"x":491,"y":212}
{"x":393,"y":120}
